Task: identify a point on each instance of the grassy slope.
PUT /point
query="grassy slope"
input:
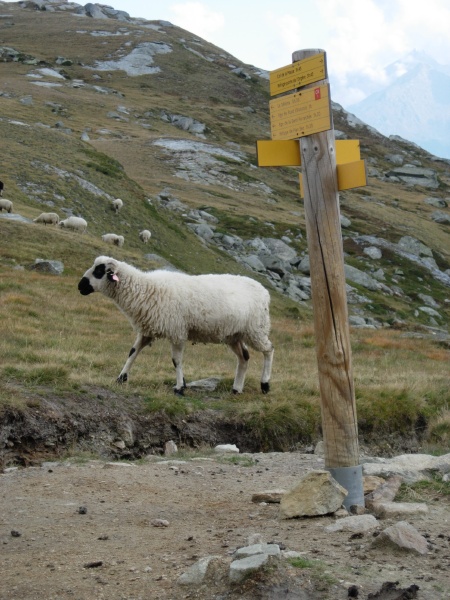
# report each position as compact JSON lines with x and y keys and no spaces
{"x":53,"y":336}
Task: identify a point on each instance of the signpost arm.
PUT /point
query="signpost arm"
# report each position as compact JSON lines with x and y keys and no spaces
{"x":338,"y":406}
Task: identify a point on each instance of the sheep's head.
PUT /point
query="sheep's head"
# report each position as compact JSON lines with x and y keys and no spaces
{"x":100,"y":276}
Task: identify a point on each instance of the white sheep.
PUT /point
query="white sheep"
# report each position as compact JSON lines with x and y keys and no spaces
{"x":50,"y":218}
{"x":75,"y":223}
{"x":145,"y":235}
{"x":228,"y":309}
{"x":112,"y":238}
{"x":5,"y":205}
{"x":116,"y":204}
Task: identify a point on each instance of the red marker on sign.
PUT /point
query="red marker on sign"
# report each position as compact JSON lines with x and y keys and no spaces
{"x":317,"y":93}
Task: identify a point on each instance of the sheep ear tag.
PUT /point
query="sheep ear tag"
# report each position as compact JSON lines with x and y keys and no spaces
{"x":112,"y":276}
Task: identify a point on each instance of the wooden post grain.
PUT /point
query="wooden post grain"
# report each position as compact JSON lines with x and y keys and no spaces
{"x":321,"y":201}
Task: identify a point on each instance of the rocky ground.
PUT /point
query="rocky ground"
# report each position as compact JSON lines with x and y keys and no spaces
{"x":122,"y":531}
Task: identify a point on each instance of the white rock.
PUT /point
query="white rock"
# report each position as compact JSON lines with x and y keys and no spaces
{"x":197,"y":572}
{"x":170,"y":448}
{"x":269,"y":549}
{"x":386,"y":510}
{"x":403,"y":535}
{"x":240,"y":569}
{"x":227,"y":448}
{"x":357,"y":524}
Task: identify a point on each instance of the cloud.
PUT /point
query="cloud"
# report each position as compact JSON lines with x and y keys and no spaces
{"x":197,"y":18}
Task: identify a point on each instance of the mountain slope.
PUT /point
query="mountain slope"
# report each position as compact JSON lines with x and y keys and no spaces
{"x":415,"y":105}
{"x":98,"y":108}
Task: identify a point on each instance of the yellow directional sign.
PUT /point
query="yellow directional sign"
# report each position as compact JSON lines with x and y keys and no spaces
{"x":302,"y":113}
{"x":300,"y":73}
{"x":286,"y":153}
{"x":352,"y":175}
{"x":349,"y":175}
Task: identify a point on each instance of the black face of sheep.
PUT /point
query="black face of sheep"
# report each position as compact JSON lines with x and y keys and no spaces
{"x":85,"y":287}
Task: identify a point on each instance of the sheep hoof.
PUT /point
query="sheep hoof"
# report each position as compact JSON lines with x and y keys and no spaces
{"x":265,"y":387}
{"x":122,"y":378}
{"x":178,"y":392}
{"x":236,"y":391}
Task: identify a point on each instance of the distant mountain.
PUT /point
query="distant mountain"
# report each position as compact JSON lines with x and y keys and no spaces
{"x":415,"y":105}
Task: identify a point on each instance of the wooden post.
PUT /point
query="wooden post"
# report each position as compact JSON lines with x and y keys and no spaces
{"x":338,"y":406}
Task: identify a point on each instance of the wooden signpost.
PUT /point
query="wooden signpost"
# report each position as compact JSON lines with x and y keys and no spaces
{"x":302,"y":136}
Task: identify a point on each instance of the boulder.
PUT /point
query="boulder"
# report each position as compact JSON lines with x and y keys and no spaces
{"x":402,"y":536}
{"x":53,"y":267}
{"x":441,"y":217}
{"x":317,"y":493}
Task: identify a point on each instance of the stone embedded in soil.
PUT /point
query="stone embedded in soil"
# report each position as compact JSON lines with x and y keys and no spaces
{"x":387,"y":510}
{"x":317,"y":493}
{"x":160,"y":523}
{"x":270,"y":496}
{"x":403,"y":536}
{"x":356,"y":524}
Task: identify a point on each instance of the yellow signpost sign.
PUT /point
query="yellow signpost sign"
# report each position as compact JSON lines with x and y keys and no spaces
{"x":300,"y":114}
{"x":298,"y":74}
{"x":286,"y":153}
{"x":349,"y":175}
{"x":351,"y":171}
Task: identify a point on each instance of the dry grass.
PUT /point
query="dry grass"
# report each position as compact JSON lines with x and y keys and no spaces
{"x":51,"y":336}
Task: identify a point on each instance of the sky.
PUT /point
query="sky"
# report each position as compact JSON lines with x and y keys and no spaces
{"x":360,"y":37}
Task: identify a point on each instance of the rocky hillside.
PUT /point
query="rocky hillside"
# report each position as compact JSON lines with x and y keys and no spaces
{"x":96,"y":105}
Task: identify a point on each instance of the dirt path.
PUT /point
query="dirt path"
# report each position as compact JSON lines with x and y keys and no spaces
{"x":85,"y":532}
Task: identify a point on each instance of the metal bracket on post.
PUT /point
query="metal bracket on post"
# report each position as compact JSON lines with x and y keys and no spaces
{"x":352,"y":480}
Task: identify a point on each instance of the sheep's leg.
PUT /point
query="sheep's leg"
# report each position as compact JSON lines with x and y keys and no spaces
{"x":140,"y":342}
{"x":267,"y":368}
{"x":177,"y":359}
{"x":240,"y":349}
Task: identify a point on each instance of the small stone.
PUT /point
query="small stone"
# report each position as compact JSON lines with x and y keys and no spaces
{"x":93,"y":564}
{"x":227,"y":448}
{"x":272,"y":496}
{"x":160,"y":523}
{"x":353,"y":591}
{"x":170,"y":448}
{"x":82,"y":510}
{"x":15,"y":533}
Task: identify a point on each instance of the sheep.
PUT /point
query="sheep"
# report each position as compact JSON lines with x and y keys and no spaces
{"x":5,"y":205}
{"x":1,"y":188}
{"x":47,"y":218}
{"x":145,"y":235}
{"x":116,"y":204}
{"x":75,"y":223}
{"x":228,"y":309}
{"x":112,"y":238}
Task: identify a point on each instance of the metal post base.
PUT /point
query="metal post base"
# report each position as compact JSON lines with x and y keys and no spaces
{"x":351,"y":479}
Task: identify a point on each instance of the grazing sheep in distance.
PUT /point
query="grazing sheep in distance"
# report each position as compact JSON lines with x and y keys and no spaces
{"x":116,"y":204}
{"x":50,"y":218}
{"x":145,"y":235}
{"x":112,"y":238}
{"x":6,"y":205}
{"x":228,"y":309}
{"x":75,"y":223}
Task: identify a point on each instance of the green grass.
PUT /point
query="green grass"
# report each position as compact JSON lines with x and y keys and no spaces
{"x":434,"y":490}
{"x":318,"y":571}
